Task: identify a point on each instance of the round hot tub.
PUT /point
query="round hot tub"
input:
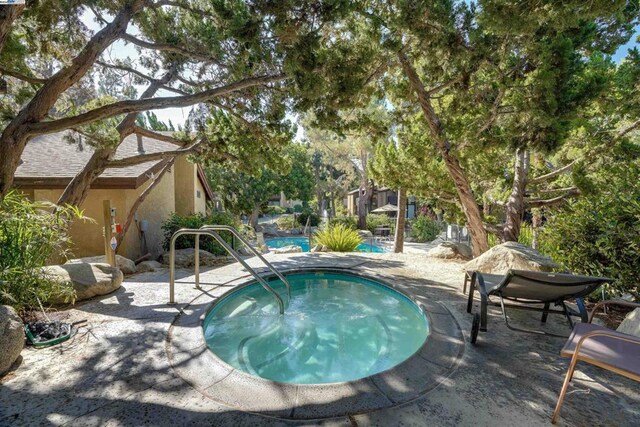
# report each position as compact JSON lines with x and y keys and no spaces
{"x":337,"y":327}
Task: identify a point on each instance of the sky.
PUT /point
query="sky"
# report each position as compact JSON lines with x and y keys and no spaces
{"x":119,"y":50}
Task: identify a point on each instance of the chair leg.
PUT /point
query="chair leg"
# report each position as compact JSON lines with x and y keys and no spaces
{"x":584,"y":315}
{"x":472,"y":289}
{"x":484,"y":303}
{"x":466,"y":281}
{"x":545,"y":313}
{"x":565,"y":386}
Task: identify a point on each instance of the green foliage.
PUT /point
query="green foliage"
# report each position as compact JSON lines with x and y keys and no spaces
{"x":338,"y":238}
{"x":30,"y":234}
{"x":600,"y":235}
{"x":347,"y":221}
{"x":275,"y":210}
{"x":424,"y":229}
{"x":302,"y":218}
{"x":379,"y":220}
{"x":176,"y":222}
{"x":297,"y":209}
{"x":286,"y":222}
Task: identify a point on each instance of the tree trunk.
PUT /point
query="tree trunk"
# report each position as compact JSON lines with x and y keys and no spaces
{"x":16,"y":135}
{"x":253,"y":220}
{"x":536,"y":222}
{"x":364,"y":192}
{"x":515,"y":205}
{"x":362,"y":208}
{"x":332,"y":211}
{"x":398,"y":242}
{"x":456,"y":172}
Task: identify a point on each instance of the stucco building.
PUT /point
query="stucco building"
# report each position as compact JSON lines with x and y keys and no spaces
{"x":381,"y":196}
{"x":49,"y":162}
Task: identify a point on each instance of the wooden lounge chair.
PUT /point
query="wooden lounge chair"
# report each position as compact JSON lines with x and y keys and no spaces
{"x":527,"y":289}
{"x":602,"y":347}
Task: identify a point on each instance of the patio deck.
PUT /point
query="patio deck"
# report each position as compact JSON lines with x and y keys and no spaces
{"x":116,"y":370}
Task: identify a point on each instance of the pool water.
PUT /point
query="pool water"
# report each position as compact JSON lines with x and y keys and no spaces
{"x":337,"y":327}
{"x":303,"y":242}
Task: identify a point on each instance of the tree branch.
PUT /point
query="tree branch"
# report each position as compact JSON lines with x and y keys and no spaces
{"x":127,"y":69}
{"x":625,"y":131}
{"x":493,"y":114}
{"x":19,"y":76}
{"x":133,"y":106}
{"x":538,"y":203}
{"x":553,"y":174}
{"x":149,"y":157}
{"x":8,"y":14}
{"x":174,"y":49}
{"x":443,"y":86}
{"x":159,"y":136}
{"x":552,"y":190}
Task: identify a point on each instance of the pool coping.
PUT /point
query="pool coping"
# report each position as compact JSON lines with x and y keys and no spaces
{"x":428,"y":367}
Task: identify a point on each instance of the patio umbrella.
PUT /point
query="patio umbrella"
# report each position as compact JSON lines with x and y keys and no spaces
{"x":386,"y":209}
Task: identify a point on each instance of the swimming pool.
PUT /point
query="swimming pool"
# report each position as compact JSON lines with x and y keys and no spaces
{"x":303,"y":242}
{"x":337,"y":327}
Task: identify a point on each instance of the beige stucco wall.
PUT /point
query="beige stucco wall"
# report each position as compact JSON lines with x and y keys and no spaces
{"x":352,"y":207}
{"x":185,"y":183}
{"x":200,"y":202}
{"x":88,"y":238}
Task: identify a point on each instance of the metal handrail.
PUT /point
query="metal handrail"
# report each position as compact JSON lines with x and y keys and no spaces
{"x":198,"y":232}
{"x":253,"y":250}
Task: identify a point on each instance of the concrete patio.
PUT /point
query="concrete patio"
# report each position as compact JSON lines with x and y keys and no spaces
{"x":117,"y":369}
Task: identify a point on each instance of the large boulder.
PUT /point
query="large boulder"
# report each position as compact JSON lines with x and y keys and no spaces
{"x":124,"y":264}
{"x":451,"y":250}
{"x":511,"y":256}
{"x":88,"y":279}
{"x":147,"y":266}
{"x":291,"y":249}
{"x":631,"y":323}
{"x":11,"y":337}
{"x":185,"y":258}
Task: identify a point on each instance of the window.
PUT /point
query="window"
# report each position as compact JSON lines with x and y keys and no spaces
{"x":198,"y":194}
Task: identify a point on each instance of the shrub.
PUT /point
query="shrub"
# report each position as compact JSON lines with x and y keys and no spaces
{"x":176,"y":222}
{"x":297,"y":209}
{"x":302,"y":219}
{"x":424,"y":229}
{"x":30,"y":234}
{"x":338,"y":238}
{"x":347,"y":221}
{"x":600,"y":235}
{"x":286,"y":222}
{"x":379,"y":220}
{"x":275,"y":210}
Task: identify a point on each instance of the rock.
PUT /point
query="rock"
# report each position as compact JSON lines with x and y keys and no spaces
{"x":316,"y":248}
{"x":125,"y":264}
{"x":147,"y":266}
{"x":186,"y":258}
{"x":271,"y":229}
{"x":325,"y":248}
{"x":631,"y":323}
{"x":11,"y":337}
{"x":451,"y":250}
{"x":291,"y":249}
{"x":88,"y":279}
{"x":511,"y":255}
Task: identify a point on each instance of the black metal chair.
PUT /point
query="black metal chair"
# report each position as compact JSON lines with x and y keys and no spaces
{"x":528,"y":289}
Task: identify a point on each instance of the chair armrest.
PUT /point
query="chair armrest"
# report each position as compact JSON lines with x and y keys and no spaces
{"x":611,"y":302}
{"x":609,"y":334}
{"x":476,"y":275}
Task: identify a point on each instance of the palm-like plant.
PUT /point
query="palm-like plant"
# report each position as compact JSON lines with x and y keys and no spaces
{"x":338,"y":238}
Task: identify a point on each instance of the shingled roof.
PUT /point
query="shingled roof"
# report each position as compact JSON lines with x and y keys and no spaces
{"x":49,"y":161}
